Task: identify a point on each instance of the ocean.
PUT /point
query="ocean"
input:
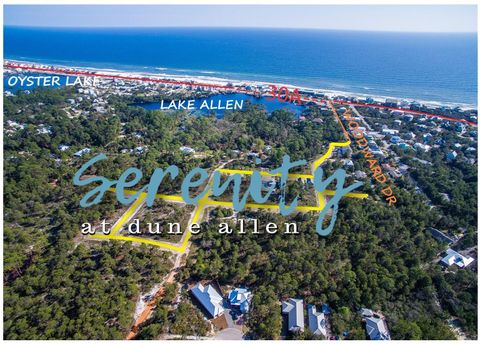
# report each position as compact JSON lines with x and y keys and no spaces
{"x":434,"y":67}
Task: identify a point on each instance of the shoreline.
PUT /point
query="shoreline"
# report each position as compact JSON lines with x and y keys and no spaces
{"x":199,"y":79}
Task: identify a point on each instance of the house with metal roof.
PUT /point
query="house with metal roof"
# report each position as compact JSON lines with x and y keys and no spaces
{"x":440,"y":236}
{"x":209,"y":298}
{"x":294,"y":310}
{"x":377,"y":329}
{"x":456,"y":258}
{"x":82,"y":152}
{"x":365,"y":312}
{"x":316,"y":321}
{"x":240,"y":298}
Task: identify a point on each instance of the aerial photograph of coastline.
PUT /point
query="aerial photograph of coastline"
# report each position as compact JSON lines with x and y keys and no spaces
{"x":240,"y":172}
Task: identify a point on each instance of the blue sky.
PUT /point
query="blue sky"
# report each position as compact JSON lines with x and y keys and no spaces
{"x":427,"y":18}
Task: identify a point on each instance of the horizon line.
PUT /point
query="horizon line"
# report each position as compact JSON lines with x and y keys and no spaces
{"x":230,"y":27}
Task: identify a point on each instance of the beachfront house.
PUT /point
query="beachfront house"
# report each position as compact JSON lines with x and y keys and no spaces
{"x":209,"y":298}
{"x":294,"y":310}
{"x":458,"y":259}
{"x":240,"y":298}
{"x":316,"y":321}
{"x":391,"y":102}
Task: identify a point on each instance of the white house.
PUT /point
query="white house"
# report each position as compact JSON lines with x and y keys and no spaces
{"x":209,"y":298}
{"x":294,"y":308}
{"x":456,"y":258}
{"x":365,"y":312}
{"x":316,"y":321}
{"x":187,"y":150}
{"x":82,"y":152}
{"x":63,"y":147}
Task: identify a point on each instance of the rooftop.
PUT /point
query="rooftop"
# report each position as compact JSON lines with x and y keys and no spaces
{"x":294,"y":308}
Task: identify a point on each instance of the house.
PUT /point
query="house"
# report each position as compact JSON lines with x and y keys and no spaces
{"x":456,"y":258}
{"x":376,"y":328}
{"x":316,"y":321}
{"x":451,"y":155}
{"x":187,"y":150}
{"x":375,"y":150}
{"x":294,"y":310}
{"x":344,"y":151}
{"x":427,"y":137}
{"x":240,"y":298}
{"x":366,"y":312}
{"x":268,"y":182}
{"x":82,"y":152}
{"x":44,"y":130}
{"x":325,"y":309}
{"x":395,"y":139}
{"x":403,"y":168}
{"x":139,"y":150}
{"x":360,"y":175}
{"x":209,"y":298}
{"x":63,"y":147}
{"x":440,"y":236}
{"x":422,"y":147}
{"x":391,"y":102}
{"x":388,"y":131}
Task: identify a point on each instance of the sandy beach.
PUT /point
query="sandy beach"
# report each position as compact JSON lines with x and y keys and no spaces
{"x":216,"y":81}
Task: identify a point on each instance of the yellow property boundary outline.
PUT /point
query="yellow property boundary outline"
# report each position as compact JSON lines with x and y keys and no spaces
{"x":207,"y":202}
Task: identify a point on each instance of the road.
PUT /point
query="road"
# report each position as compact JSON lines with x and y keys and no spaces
{"x":357,"y":114}
{"x":150,"y":306}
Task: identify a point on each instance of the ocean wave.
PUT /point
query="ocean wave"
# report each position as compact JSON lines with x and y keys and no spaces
{"x":330,"y":88}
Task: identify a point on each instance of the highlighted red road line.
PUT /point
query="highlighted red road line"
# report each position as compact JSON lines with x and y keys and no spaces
{"x":223,"y":87}
{"x":113,"y":76}
{"x":417,"y":112}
